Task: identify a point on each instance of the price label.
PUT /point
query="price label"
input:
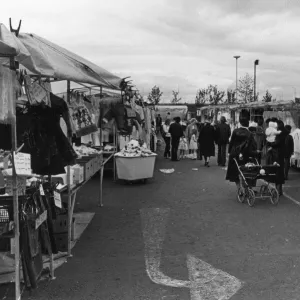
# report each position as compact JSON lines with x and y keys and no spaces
{"x":22,"y":163}
{"x":57,"y":199}
{"x":41,"y":219}
{"x":42,"y":190}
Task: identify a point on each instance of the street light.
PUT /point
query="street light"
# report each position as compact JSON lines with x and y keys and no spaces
{"x":236,"y":75}
{"x":295,"y":92}
{"x":256,"y":62}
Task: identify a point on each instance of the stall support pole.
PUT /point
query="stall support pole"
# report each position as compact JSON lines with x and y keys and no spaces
{"x":69,"y":185}
{"x":100,"y":202}
{"x":15,"y":204}
{"x":115,"y":151}
{"x":52,"y":276}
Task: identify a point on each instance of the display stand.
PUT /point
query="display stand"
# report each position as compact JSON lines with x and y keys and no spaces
{"x":71,"y":190}
{"x":16,"y":222}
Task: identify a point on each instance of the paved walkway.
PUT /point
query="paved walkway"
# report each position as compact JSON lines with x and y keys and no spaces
{"x":195,"y":216}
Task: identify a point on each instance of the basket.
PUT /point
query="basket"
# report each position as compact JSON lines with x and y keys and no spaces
{"x":135,"y":168}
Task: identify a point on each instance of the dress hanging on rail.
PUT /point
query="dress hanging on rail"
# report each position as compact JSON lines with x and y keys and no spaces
{"x":8,"y":92}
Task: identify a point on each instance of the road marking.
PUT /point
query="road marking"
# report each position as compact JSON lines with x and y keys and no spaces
{"x":208,"y":283}
{"x":154,"y":223}
{"x":205,"y":282}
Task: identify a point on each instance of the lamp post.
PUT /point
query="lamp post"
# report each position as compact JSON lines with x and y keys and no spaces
{"x":295,"y":92}
{"x":256,"y":62}
{"x":236,"y":75}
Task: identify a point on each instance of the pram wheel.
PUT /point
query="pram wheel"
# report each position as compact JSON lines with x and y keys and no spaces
{"x":240,"y":195}
{"x":274,"y":196}
{"x":251,"y":197}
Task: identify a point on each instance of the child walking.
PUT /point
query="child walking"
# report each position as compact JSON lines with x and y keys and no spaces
{"x":183,"y":147}
{"x":193,"y":144}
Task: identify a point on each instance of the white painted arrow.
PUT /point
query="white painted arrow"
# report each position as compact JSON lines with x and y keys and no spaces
{"x":205,"y":282}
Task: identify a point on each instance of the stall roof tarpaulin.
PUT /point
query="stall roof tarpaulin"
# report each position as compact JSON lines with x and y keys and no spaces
{"x":174,"y":110}
{"x":10,"y":45}
{"x":260,"y":104}
{"x":50,"y":60}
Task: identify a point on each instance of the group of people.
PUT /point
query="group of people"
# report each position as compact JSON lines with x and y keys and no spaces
{"x":196,"y":140}
{"x":270,"y":138}
{"x":275,"y":142}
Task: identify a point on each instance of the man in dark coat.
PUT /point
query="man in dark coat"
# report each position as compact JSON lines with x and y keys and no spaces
{"x":223,"y":133}
{"x":207,"y":141}
{"x":289,"y":151}
{"x":176,"y":133}
{"x":158,"y":124}
{"x":279,"y":147}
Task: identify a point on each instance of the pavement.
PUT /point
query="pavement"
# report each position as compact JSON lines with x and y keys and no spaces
{"x":191,"y":216}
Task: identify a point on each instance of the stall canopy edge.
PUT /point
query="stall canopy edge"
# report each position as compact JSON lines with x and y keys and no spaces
{"x":50,"y":60}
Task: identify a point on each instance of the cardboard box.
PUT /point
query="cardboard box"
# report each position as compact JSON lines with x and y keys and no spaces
{"x":78,"y":176}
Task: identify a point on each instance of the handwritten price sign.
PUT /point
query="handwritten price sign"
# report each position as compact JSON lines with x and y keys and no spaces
{"x":22,"y":163}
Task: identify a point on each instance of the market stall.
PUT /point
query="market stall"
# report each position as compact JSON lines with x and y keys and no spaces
{"x":44,"y":62}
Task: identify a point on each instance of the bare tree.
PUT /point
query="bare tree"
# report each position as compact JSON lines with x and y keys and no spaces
{"x":175,"y":97}
{"x":268,"y":97}
{"x":215,"y":95}
{"x":155,"y":95}
{"x":200,"y":96}
{"x":246,"y":89}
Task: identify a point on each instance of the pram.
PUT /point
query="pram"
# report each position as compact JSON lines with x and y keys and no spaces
{"x":249,"y":173}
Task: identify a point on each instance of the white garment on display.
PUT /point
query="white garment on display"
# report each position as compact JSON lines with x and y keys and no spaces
{"x":63,"y":126}
{"x":96,"y":138}
{"x":123,"y":141}
{"x":86,"y":139}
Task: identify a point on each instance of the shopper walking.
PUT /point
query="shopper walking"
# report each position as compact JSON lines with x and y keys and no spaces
{"x":167,"y":138}
{"x":289,"y":151}
{"x":223,"y":133}
{"x":278,"y":147}
{"x":158,"y":123}
{"x":176,"y":133}
{"x":260,"y":137}
{"x":241,"y":142}
{"x":168,"y":117}
{"x":191,"y":128}
{"x":207,"y":141}
{"x":183,"y":147}
{"x":193,"y":144}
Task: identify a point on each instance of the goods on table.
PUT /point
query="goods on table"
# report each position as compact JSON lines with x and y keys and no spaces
{"x":85,"y":151}
{"x":133,"y":149}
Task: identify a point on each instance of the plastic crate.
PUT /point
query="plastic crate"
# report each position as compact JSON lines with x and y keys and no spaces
{"x":135,"y":168}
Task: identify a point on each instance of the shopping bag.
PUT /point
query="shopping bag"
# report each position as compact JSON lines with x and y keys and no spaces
{"x":81,"y":120}
{"x":37,"y":92}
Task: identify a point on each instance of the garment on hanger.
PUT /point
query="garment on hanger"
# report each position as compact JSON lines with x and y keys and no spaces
{"x":9,"y":90}
{"x":140,"y":111}
{"x":39,"y":129}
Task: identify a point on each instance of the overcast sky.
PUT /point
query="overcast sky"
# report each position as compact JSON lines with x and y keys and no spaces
{"x":185,"y":44}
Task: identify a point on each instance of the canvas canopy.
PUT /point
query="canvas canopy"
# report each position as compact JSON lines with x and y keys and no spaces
{"x":10,"y":45}
{"x":174,"y":110}
{"x":50,"y":60}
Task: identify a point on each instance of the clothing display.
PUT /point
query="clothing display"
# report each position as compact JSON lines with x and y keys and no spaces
{"x":8,"y":91}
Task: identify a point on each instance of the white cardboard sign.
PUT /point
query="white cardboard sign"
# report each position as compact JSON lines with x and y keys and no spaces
{"x":22,"y":163}
{"x":57,"y":199}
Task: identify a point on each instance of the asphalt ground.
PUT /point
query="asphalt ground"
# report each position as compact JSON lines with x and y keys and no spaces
{"x":260,"y":246}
